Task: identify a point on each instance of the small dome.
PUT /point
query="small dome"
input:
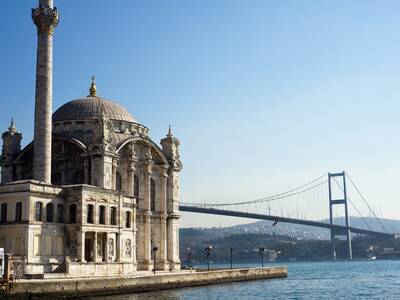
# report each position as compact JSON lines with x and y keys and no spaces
{"x":92,"y":107}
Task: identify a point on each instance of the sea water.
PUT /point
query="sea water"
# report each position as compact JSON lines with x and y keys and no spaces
{"x":306,"y":280}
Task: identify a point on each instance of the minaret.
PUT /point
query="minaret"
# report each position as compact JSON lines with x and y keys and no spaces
{"x":170,"y":147}
{"x":45,"y":18}
{"x":11,"y":148}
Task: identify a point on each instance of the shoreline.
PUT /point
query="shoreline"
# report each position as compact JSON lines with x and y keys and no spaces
{"x":97,"y":286}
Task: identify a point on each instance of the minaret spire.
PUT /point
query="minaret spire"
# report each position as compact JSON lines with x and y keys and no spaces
{"x":169,"y":131}
{"x":45,"y":17}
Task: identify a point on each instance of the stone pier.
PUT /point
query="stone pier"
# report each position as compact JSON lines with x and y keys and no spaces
{"x":145,"y":282}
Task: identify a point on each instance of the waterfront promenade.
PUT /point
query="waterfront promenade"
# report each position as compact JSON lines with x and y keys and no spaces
{"x":141,"y":282}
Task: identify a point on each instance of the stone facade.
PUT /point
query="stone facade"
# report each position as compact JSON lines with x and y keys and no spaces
{"x":115,"y":196}
{"x":98,"y":196}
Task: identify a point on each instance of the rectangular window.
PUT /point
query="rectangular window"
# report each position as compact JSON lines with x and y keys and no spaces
{"x":18,"y":212}
{"x":152,"y":195}
{"x":113,"y":214}
{"x":128,"y":219}
{"x":3,"y":218}
{"x":90,"y":214}
{"x":38,"y":211}
{"x":102,"y":215}
{"x":72,"y":213}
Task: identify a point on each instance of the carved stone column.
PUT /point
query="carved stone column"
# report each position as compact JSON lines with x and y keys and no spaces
{"x":147,"y":239}
{"x":162,"y":252}
{"x":107,"y":247}
{"x":95,"y":250}
{"x":114,"y":173}
{"x":145,"y":186}
{"x":144,"y":247}
{"x":173,"y":241}
{"x":81,"y":247}
{"x":131,"y":169}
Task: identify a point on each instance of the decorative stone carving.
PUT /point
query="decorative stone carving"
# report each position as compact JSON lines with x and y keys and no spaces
{"x":148,"y":156}
{"x":110,"y":249}
{"x":128,"y":248}
{"x":45,"y":19}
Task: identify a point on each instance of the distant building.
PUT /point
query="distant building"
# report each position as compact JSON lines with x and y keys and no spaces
{"x":92,"y":194}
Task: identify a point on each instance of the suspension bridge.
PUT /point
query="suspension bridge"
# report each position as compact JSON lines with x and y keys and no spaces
{"x":285,"y":208}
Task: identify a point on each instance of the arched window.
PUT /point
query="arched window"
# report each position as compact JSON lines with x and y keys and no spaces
{"x":113,"y":216}
{"x":90,"y":214}
{"x":72,"y":213}
{"x":3,"y":218}
{"x":60,"y":213}
{"x":128,"y":219}
{"x":50,"y":212}
{"x":152,"y":195}
{"x":38,"y":211}
{"x":136,"y":187}
{"x":102,"y":215}
{"x":18,"y":212}
{"x":118,"y":182}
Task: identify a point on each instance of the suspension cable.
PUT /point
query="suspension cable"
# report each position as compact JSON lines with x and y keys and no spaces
{"x":365,"y":201}
{"x":290,"y":193}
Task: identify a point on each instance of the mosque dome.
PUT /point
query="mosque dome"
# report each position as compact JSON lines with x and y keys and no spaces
{"x":91,"y":107}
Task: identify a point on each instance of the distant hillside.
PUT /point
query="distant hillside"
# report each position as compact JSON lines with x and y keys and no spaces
{"x":294,"y":242}
{"x":299,"y":232}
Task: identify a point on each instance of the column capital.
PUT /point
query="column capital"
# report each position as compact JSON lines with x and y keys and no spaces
{"x":163,"y":217}
{"x":146,"y":215}
{"x":174,"y":216}
{"x":45,"y":18}
{"x":148,"y":168}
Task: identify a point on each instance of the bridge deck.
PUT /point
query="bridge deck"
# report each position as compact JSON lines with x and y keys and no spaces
{"x":338,"y":228}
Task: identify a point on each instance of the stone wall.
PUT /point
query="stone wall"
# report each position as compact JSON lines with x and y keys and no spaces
{"x":110,"y":285}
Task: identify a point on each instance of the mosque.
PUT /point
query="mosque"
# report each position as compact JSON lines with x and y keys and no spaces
{"x":92,"y":194}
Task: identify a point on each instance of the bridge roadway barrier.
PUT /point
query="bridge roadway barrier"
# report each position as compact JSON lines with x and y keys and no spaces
{"x":23,"y":289}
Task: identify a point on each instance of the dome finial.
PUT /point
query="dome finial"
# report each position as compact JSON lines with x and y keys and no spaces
{"x":12,"y":127}
{"x":93,"y":89}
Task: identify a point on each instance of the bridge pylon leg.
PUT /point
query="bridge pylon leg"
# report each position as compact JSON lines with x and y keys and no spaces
{"x":340,"y":201}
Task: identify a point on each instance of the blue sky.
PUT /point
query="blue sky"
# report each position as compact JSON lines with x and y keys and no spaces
{"x":264,"y":95}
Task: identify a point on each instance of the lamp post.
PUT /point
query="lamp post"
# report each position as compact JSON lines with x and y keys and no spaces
{"x":189,"y":256}
{"x":262,"y":251}
{"x":154,"y":256}
{"x":208,"y":252}
{"x":231,"y":258}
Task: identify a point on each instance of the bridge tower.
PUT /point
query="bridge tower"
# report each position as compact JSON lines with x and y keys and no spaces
{"x":339,"y":201}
